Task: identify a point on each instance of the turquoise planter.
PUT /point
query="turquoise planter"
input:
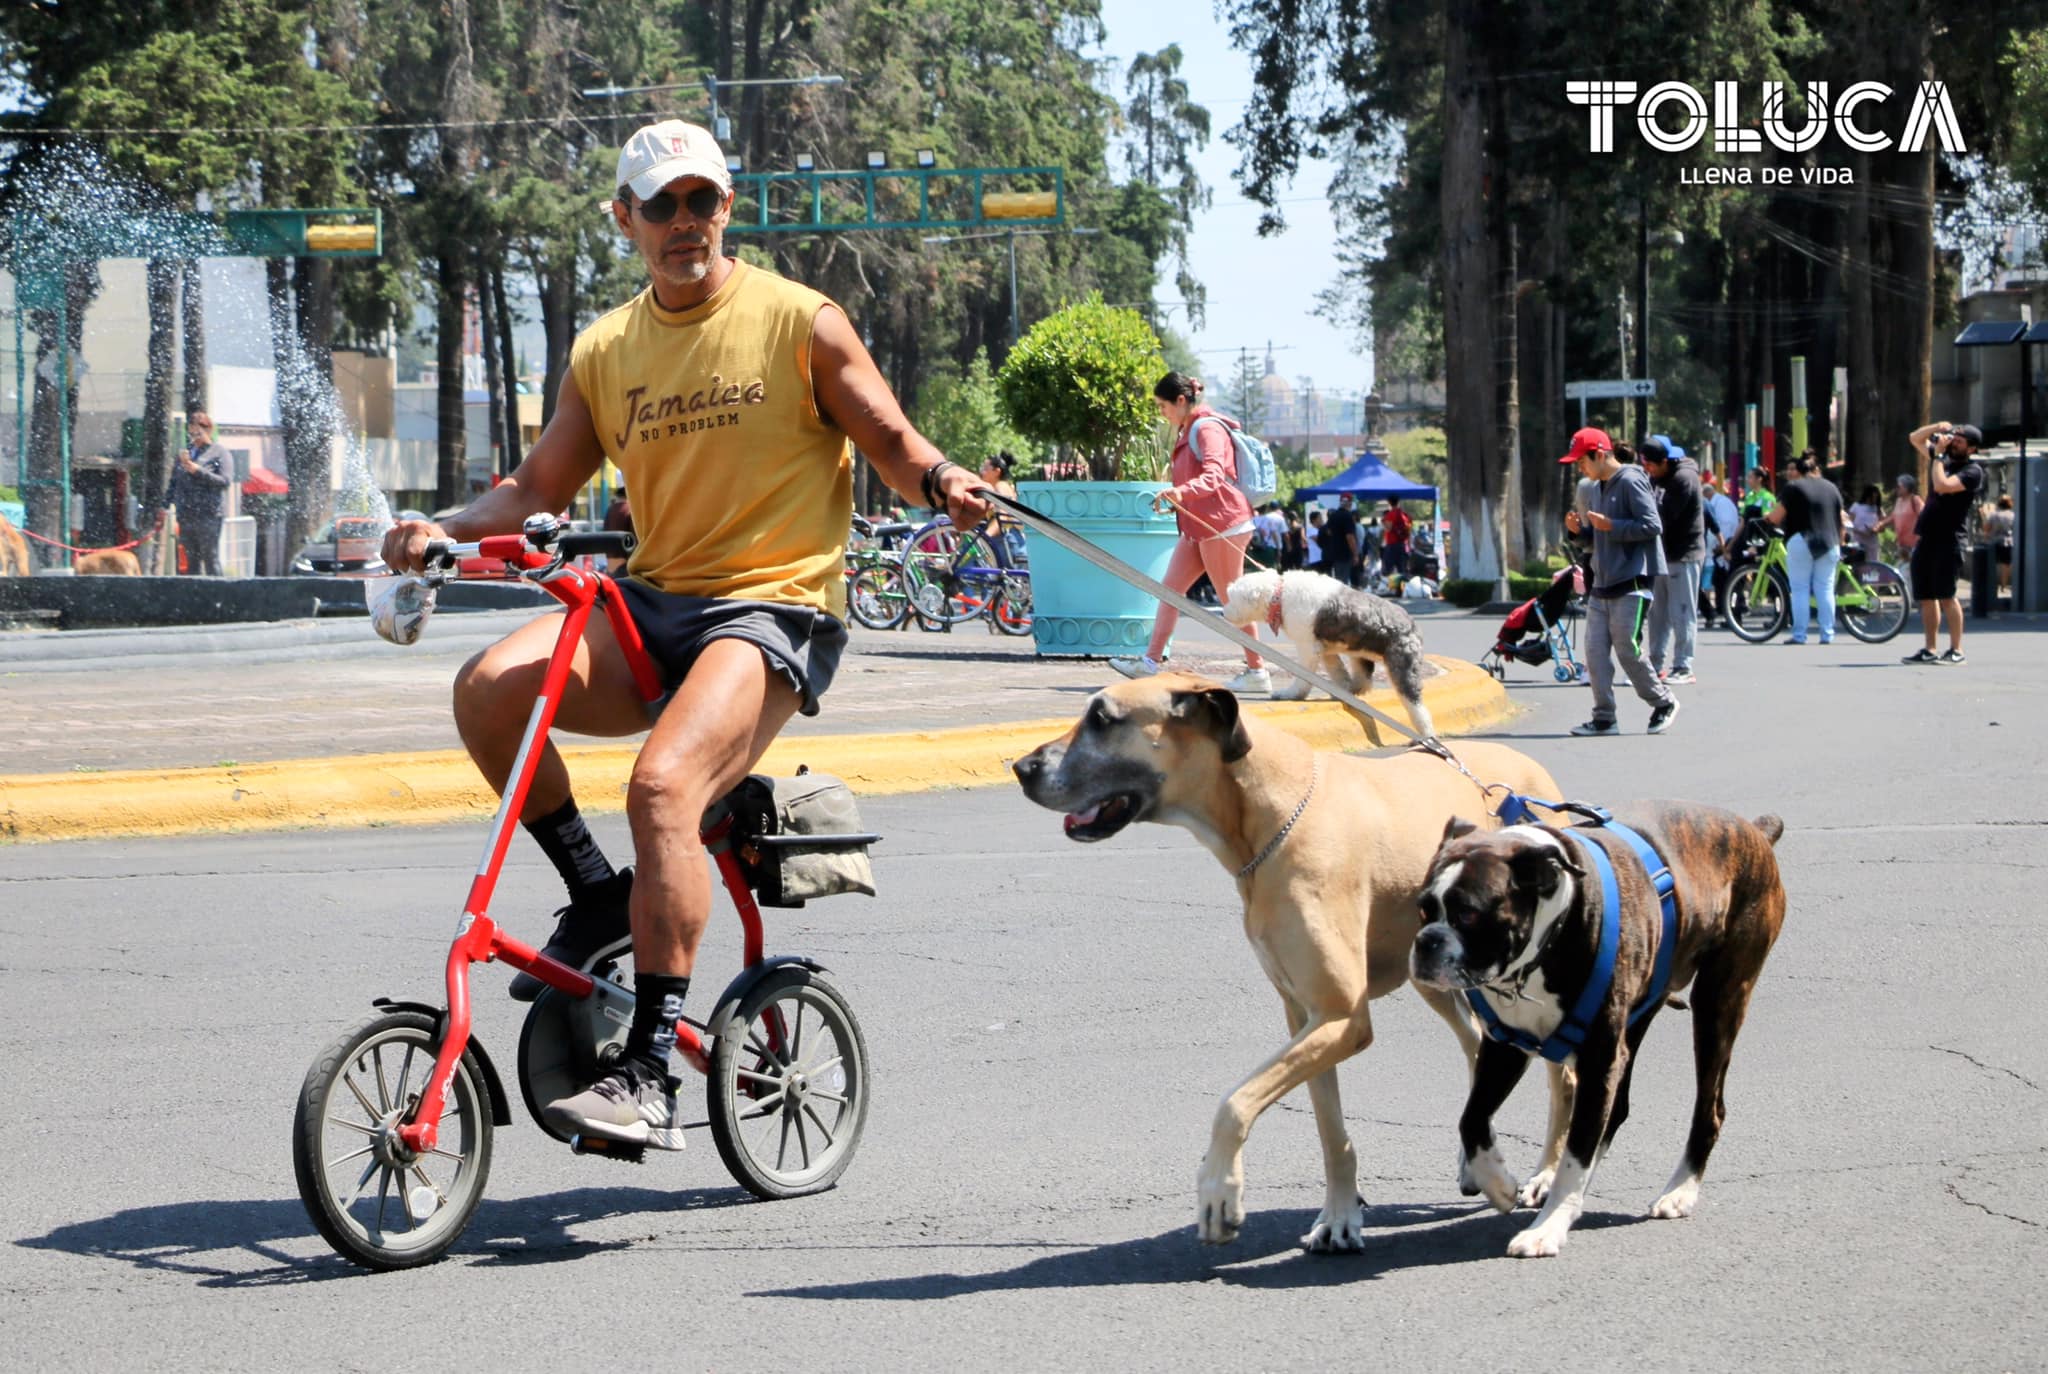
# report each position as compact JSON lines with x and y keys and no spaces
{"x":1077,"y":609}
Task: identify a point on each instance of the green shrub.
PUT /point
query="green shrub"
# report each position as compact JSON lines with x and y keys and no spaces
{"x":1082,"y":379}
{"x":962,"y":415}
{"x":1473,"y":592}
{"x":1470,"y":593}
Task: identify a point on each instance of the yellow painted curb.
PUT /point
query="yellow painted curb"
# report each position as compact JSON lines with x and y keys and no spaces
{"x":420,"y":789}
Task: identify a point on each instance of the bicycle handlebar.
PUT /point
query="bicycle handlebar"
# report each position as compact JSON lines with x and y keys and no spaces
{"x":610,"y":543}
{"x":448,"y":554}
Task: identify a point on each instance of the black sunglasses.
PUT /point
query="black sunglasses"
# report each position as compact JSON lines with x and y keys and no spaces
{"x":703,"y":202}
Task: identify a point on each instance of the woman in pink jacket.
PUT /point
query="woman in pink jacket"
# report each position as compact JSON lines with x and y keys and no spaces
{"x":1215,"y":520}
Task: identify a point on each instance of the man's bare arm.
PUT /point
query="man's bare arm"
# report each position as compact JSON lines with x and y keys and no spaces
{"x":851,"y":393}
{"x":560,"y":462}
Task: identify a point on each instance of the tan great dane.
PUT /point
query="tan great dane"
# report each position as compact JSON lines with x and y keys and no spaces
{"x":1329,"y":852}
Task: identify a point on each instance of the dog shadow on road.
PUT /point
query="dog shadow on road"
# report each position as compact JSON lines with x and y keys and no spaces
{"x":250,"y":1243}
{"x":1266,"y":1255}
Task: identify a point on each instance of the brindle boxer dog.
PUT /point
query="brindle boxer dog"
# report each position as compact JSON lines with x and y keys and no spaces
{"x":1515,"y":914}
{"x":1328,"y":852}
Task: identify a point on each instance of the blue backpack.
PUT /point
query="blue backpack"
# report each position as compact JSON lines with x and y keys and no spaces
{"x":1257,"y":476}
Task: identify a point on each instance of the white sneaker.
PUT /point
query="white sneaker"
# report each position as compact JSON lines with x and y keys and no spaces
{"x":1294,"y":689}
{"x":1134,"y":667}
{"x":1251,"y":680}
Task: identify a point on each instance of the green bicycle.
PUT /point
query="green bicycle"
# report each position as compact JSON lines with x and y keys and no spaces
{"x":1870,"y":597}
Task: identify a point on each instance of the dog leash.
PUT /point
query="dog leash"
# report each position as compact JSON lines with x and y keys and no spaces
{"x":1124,"y":572}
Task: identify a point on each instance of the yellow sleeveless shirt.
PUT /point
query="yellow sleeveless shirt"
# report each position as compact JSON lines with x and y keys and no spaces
{"x":741,"y":488}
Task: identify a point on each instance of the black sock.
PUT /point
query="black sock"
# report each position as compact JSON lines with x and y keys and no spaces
{"x":567,"y":842}
{"x":657,"y":1002}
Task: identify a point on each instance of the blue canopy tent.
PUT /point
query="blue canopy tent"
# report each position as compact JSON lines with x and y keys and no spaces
{"x":1371,"y":480}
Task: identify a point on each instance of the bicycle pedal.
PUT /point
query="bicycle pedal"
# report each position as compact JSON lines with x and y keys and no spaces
{"x":625,"y":1151}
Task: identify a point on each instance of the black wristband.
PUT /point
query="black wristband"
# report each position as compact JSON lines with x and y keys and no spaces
{"x":931,"y":474}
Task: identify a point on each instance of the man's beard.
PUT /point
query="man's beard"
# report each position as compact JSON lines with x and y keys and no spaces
{"x":685,"y":272}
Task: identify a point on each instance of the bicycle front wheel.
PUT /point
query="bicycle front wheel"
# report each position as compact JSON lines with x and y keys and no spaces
{"x":878,"y":597}
{"x":1871,"y":603}
{"x":377,"y":1202}
{"x":1758,"y":604}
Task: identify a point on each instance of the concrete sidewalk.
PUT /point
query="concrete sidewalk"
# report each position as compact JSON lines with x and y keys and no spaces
{"x":319,"y":723}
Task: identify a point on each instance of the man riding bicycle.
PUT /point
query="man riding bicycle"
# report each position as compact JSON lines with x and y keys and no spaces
{"x":727,"y":397}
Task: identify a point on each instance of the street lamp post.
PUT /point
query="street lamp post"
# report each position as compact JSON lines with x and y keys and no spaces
{"x":711,"y":85}
{"x":1011,"y":235}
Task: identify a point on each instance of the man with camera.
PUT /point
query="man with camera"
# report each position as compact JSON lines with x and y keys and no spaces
{"x":1954,"y":478}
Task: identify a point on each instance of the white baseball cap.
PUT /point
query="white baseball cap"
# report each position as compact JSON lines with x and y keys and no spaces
{"x":659,"y":153}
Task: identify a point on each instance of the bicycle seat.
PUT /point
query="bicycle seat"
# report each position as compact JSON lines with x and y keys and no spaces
{"x":892,"y":530}
{"x":1852,"y":555}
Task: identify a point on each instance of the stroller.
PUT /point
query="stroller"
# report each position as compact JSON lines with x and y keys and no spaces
{"x":1537,"y":631}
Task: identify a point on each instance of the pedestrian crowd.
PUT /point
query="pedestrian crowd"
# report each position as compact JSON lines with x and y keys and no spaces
{"x":1658,"y":540}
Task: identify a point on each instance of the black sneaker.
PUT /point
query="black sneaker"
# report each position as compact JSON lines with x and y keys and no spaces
{"x":1922,"y":656}
{"x":1661,"y":716}
{"x":583,"y":930}
{"x":1597,"y":727}
{"x":1952,"y":656}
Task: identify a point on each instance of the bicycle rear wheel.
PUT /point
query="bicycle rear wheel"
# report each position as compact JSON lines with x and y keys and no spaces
{"x":1012,"y":609}
{"x":1878,"y":609}
{"x":789,"y":1086}
{"x":1758,"y":604}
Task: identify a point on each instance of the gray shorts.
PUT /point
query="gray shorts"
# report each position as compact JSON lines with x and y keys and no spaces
{"x":802,"y":643}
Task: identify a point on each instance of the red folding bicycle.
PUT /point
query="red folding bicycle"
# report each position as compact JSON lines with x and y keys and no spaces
{"x":392,"y":1139}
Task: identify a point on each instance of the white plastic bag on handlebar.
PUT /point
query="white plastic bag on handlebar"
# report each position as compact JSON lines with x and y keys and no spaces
{"x":400,"y":608}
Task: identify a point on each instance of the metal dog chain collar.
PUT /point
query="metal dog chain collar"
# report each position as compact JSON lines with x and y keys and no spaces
{"x":1315,"y":776}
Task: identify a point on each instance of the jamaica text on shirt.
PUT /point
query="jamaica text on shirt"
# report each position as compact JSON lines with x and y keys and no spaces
{"x":719,"y":395}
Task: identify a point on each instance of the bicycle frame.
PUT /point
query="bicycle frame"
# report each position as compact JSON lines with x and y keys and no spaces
{"x":1850,"y":590}
{"x":478,"y":939}
{"x":955,"y":571}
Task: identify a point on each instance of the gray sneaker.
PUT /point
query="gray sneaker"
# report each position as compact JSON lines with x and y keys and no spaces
{"x":630,"y":1103}
{"x":584,"y":930}
{"x":1661,"y":716}
{"x":1597,"y":727}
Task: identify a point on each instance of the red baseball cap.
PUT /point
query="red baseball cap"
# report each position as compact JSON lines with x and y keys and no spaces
{"x":1588,"y":441}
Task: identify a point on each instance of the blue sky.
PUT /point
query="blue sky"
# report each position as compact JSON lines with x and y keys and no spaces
{"x":1259,"y":289}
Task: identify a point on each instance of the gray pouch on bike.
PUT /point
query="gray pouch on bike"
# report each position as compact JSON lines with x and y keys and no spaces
{"x":801,"y":838}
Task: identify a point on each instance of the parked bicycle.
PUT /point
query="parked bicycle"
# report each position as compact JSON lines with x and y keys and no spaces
{"x":956,"y":576}
{"x":1871,"y":598}
{"x":877,"y":591}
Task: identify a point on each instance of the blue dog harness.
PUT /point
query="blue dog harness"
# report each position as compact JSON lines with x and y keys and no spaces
{"x":1571,"y":1032}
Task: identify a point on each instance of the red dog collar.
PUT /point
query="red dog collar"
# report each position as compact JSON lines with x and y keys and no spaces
{"x":1273,"y":611}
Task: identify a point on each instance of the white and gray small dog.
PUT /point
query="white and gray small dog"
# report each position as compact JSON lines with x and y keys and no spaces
{"x":1338,"y":630}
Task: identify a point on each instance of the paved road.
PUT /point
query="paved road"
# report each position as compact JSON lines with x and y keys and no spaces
{"x":1051,"y":1026}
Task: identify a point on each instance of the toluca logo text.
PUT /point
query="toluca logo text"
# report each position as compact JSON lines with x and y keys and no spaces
{"x":1929,"y":112}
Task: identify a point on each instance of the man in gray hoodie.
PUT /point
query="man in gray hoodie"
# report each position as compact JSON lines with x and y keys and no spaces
{"x":1675,"y":606}
{"x":1628,"y":558}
